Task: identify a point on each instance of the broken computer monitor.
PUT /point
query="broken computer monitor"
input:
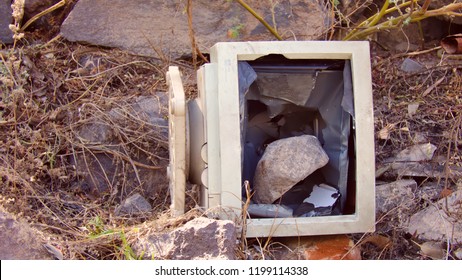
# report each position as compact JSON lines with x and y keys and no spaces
{"x":296,"y":137}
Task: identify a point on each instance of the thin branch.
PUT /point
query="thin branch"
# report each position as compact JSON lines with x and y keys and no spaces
{"x":260,"y":19}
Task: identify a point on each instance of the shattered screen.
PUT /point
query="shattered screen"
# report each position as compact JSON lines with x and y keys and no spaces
{"x":296,"y":122}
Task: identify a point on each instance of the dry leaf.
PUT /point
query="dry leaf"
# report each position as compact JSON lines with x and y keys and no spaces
{"x":379,"y":241}
{"x":384,"y":133}
{"x":432,"y":250}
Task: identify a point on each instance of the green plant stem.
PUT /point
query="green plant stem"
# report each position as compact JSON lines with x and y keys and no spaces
{"x":260,"y":19}
{"x":415,"y":16}
{"x":39,"y":15}
{"x":380,"y":14}
{"x":351,"y":34}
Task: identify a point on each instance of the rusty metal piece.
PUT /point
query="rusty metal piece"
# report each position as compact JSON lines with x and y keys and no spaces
{"x":452,"y":44}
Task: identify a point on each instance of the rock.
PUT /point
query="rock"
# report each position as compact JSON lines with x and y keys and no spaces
{"x":160,"y":28}
{"x":397,"y":194}
{"x":414,"y":162}
{"x":98,"y":171}
{"x":135,"y":204}
{"x":425,"y":170}
{"x":440,"y":221}
{"x":411,"y":66}
{"x":417,"y":169}
{"x":429,"y":191}
{"x":419,"y":152}
{"x":199,"y":239}
{"x":19,"y":241}
{"x":285,"y":163}
{"x":6,"y":36}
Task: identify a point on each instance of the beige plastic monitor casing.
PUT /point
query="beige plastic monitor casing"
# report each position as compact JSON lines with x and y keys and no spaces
{"x":218,"y":107}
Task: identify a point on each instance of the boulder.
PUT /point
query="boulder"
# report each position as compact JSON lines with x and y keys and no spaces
{"x":198,"y":239}
{"x":397,"y":194}
{"x":160,"y":28}
{"x":6,"y":36}
{"x":286,"y":162}
{"x":19,"y":241}
{"x":440,"y":221}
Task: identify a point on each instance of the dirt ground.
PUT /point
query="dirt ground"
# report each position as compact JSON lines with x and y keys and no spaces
{"x":50,"y":88}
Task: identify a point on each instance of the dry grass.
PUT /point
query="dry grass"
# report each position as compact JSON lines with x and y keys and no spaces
{"x":49,"y":94}
{"x":437,"y":89}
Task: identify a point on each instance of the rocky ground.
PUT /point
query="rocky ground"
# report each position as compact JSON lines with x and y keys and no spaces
{"x":84,"y":142}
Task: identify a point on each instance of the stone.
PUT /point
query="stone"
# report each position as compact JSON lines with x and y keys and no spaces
{"x":397,"y":194}
{"x":439,"y":221}
{"x":419,"y":152}
{"x":420,"y":169}
{"x":415,"y":162}
{"x":411,"y":66}
{"x":198,"y":239}
{"x":429,"y":191}
{"x":6,"y":18}
{"x":286,"y":162}
{"x":19,"y":241}
{"x":160,"y":28}
{"x":135,"y":204}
